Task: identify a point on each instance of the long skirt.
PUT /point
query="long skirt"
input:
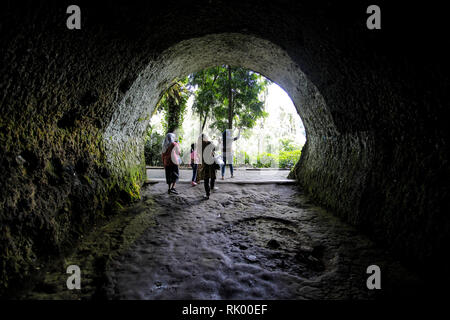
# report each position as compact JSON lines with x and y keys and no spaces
{"x":172,"y":174}
{"x":206,"y":171}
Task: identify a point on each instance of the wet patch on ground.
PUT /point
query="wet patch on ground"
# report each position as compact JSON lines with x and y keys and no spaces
{"x":93,"y":254}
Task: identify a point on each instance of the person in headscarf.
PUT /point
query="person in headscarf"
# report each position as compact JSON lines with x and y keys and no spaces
{"x":227,"y":150}
{"x":208,"y":167}
{"x":171,"y":160}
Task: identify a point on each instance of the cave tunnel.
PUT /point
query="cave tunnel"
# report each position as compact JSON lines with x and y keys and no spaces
{"x":75,"y":105}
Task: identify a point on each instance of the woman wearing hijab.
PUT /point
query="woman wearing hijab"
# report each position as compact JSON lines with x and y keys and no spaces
{"x":227,"y":150}
{"x":208,"y":164}
{"x":171,"y":160}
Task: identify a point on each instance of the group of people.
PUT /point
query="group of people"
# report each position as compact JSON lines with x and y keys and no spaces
{"x":204,"y":160}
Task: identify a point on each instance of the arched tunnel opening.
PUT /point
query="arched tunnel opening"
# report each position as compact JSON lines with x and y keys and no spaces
{"x":76,"y":103}
{"x":199,"y":103}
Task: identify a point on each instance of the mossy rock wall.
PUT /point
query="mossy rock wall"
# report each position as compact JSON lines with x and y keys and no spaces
{"x":55,"y":184}
{"x":58,"y":175}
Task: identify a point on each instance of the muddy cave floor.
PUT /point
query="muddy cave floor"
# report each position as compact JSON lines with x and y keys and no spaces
{"x":245,"y":242}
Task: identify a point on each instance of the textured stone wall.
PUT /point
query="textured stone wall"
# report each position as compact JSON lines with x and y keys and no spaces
{"x":74,"y":105}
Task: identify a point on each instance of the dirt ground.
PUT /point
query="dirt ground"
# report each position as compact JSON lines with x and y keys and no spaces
{"x":249,"y":242}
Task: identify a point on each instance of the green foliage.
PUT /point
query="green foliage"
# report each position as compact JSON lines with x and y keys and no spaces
{"x":285,"y":159}
{"x":173,"y":103}
{"x":266,"y":160}
{"x":240,"y":157}
{"x":152,"y":148}
{"x":218,"y":85}
{"x":288,"y":159}
{"x":288,"y":145}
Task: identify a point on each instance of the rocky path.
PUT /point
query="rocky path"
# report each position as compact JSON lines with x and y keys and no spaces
{"x":249,"y":242}
{"x":240,"y":175}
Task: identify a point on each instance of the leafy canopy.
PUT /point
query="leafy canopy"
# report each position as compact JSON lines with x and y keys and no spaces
{"x":173,"y":103}
{"x":229,"y":96}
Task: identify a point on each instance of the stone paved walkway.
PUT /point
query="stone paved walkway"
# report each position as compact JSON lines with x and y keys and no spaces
{"x":241,"y":175}
{"x":250,"y":242}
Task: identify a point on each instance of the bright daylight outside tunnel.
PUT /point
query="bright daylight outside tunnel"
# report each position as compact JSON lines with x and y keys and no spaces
{"x":332,"y":117}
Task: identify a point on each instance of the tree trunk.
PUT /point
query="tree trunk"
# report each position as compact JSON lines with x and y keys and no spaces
{"x":173,"y":119}
{"x":230,"y":100}
{"x":200,"y":124}
{"x":204,"y":121}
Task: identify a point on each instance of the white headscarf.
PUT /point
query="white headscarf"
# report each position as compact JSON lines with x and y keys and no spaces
{"x":170,"y":137}
{"x":202,"y":137}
